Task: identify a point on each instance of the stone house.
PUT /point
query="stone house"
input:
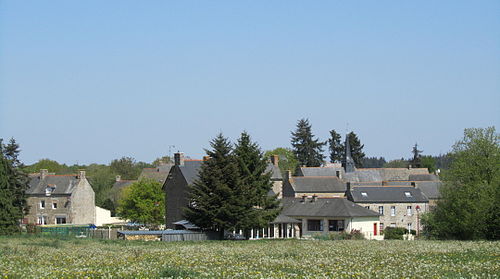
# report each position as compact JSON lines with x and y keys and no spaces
{"x":60,"y":199}
{"x":324,"y":215}
{"x":159,"y":173}
{"x":184,"y":172}
{"x":319,"y":186}
{"x":398,"y":206}
{"x":117,"y":188}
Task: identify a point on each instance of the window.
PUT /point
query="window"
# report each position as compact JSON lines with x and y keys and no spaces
{"x":381,"y":227}
{"x":381,"y":210}
{"x":367,"y":207}
{"x":54,"y":205}
{"x":409,"y":226}
{"x":393,"y":211}
{"x":315,"y":225}
{"x":364,"y":194}
{"x":42,"y":220}
{"x":408,"y":194}
{"x":60,"y":220}
{"x":393,"y":225}
{"x":335,"y":225}
{"x":408,"y":210}
{"x":42,"y":204}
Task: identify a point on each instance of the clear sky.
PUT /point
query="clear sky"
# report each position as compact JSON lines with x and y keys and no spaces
{"x":91,"y":81}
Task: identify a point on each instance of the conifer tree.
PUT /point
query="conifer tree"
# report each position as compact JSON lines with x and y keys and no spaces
{"x":336,"y":147}
{"x":13,"y":186}
{"x":309,"y":151}
{"x":357,"y":153}
{"x":215,"y":199}
{"x":256,"y":183}
{"x":416,"y":161}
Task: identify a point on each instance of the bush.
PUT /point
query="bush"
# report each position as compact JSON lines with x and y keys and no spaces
{"x":396,"y":233}
{"x":353,"y":235}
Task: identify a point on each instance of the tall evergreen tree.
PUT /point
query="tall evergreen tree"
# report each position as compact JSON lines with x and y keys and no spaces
{"x":356,"y":149}
{"x":309,"y":151}
{"x":256,"y":183}
{"x":416,"y":161}
{"x":13,"y":186}
{"x":336,"y":147}
{"x":215,"y":198}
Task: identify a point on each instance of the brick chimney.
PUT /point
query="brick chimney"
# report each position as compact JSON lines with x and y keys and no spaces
{"x":118,"y":178}
{"x":43,"y":173}
{"x":179,"y":159}
{"x":81,"y":174}
{"x":275,"y":160}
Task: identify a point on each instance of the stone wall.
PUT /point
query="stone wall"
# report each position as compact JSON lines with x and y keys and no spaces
{"x":83,"y":203}
{"x":49,"y":212}
{"x":401,"y":218}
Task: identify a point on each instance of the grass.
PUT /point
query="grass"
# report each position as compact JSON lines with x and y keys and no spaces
{"x":42,"y":257}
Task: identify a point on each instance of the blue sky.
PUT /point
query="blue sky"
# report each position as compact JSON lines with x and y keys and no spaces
{"x":91,"y":81}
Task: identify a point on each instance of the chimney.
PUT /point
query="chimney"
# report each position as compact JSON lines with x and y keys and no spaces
{"x":413,"y":184}
{"x":206,"y":158}
{"x":81,"y":174}
{"x":288,"y":175}
{"x":179,"y":159}
{"x":338,"y":174}
{"x":275,"y":159}
{"x":118,"y":178}
{"x":348,"y":187}
{"x":43,"y":173}
{"x":304,"y":199}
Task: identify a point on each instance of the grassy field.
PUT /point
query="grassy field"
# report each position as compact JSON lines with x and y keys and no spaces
{"x":30,"y":257}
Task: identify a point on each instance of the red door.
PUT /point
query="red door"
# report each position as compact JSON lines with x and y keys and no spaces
{"x":374,"y":228}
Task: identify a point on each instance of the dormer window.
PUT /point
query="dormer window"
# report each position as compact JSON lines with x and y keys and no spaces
{"x":408,"y":194}
{"x":364,"y":194}
{"x":50,"y":188}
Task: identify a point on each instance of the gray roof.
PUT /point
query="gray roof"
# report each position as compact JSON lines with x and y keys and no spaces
{"x":384,"y":174}
{"x":319,"y":171}
{"x":429,"y":188}
{"x":317,"y":184}
{"x":280,"y":219}
{"x":424,"y":177}
{"x":382,"y":194}
{"x":61,"y":184}
{"x":324,"y":207}
{"x":190,"y":170}
{"x":119,"y":185}
{"x":275,"y":171}
{"x":159,"y":174}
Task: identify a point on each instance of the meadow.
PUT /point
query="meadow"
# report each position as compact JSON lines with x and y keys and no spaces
{"x":35,"y":257}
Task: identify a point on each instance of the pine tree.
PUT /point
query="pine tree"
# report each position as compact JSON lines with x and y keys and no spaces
{"x":13,"y":186}
{"x":215,"y":201}
{"x":256,"y":183}
{"x":416,"y":161}
{"x":357,"y":153}
{"x":307,"y":149}
{"x":336,"y":147}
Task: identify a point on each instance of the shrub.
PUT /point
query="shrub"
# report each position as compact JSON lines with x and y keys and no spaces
{"x":396,"y":233}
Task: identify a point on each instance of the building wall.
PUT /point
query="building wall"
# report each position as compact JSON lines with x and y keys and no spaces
{"x":49,"y":212}
{"x":83,"y":203}
{"x":366,"y":225}
{"x":103,"y":216}
{"x":176,"y":197}
{"x":401,"y":218}
{"x":278,"y":188}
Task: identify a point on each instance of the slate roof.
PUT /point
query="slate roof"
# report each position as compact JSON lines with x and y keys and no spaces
{"x":280,"y":219}
{"x":382,"y":194}
{"x":275,"y":171}
{"x":324,"y":207}
{"x":159,"y":174}
{"x":62,"y":184}
{"x":429,"y":188}
{"x":423,"y":177}
{"x":119,"y":185}
{"x":317,"y":184}
{"x":319,"y":171}
{"x":190,"y":170}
